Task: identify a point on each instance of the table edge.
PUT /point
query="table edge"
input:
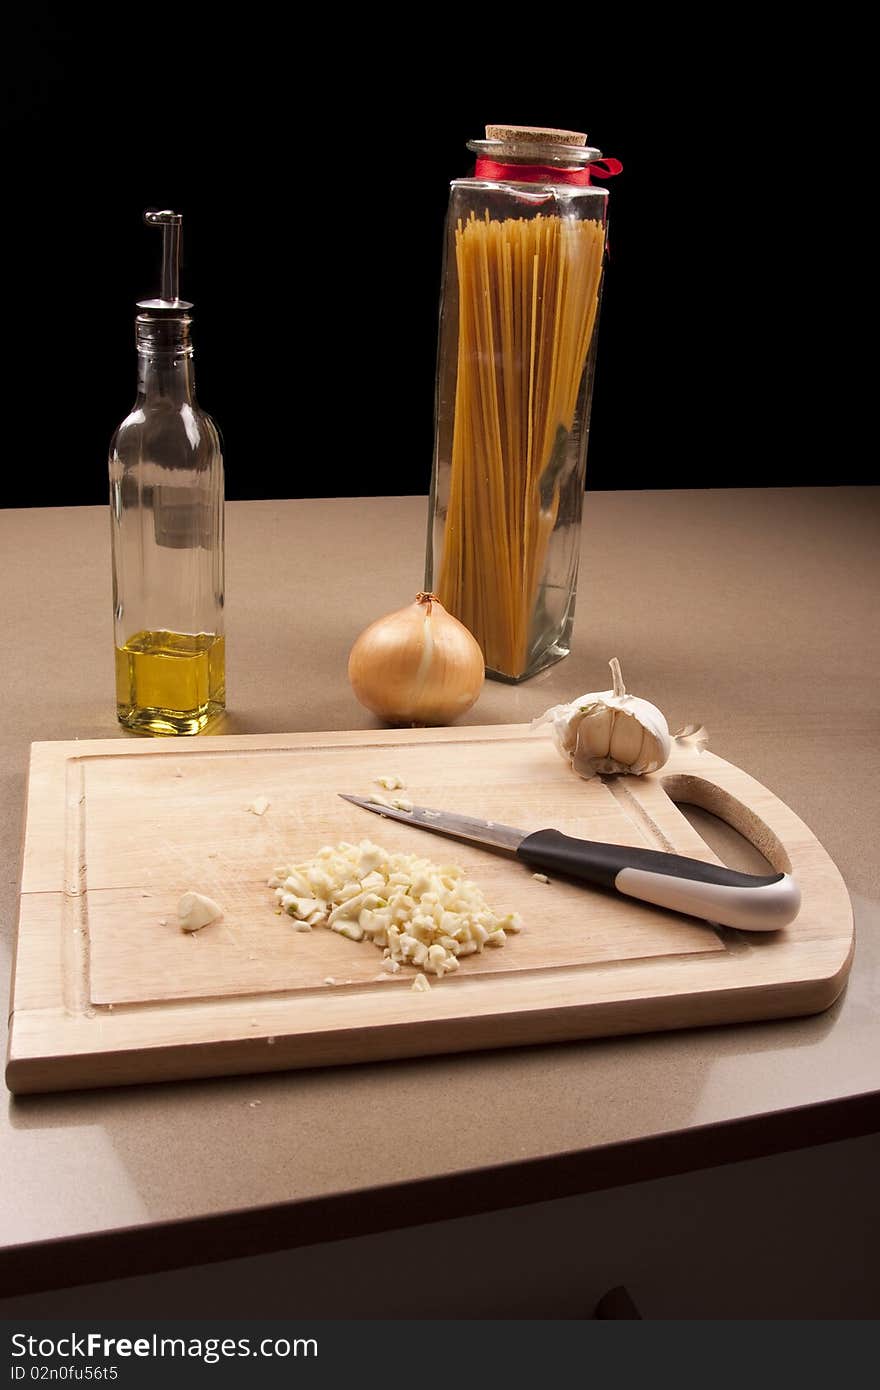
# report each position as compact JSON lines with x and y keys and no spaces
{"x":96,"y":1257}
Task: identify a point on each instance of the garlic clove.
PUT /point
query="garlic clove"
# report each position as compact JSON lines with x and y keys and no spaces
{"x":626,"y":739}
{"x":594,"y":732}
{"x":196,"y":910}
{"x":649,"y":753}
{"x":658,"y":745}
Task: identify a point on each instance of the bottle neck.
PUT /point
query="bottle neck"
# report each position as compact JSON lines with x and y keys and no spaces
{"x":165,"y":360}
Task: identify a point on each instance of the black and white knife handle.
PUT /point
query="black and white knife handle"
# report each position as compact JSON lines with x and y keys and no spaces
{"x":673,"y":881}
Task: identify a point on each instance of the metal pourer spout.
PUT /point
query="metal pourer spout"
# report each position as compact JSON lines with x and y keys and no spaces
{"x":171,"y":224}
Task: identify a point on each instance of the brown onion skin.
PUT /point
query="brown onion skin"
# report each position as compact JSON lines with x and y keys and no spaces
{"x":384,"y":666}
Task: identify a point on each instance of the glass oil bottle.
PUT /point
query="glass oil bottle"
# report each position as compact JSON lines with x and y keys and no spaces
{"x":166,"y":508}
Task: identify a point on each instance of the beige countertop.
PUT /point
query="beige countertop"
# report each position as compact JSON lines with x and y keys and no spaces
{"x":753,"y":612}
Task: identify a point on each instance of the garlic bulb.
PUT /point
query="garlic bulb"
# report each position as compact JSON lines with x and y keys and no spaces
{"x":417,"y":666}
{"x":609,"y":731}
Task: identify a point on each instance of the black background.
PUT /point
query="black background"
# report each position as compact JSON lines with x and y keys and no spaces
{"x":312,"y":171}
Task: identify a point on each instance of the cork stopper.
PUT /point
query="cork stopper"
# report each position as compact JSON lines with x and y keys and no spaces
{"x":536,"y":135}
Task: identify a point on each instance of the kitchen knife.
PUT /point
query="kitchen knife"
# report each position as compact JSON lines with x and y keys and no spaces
{"x":725,"y":896}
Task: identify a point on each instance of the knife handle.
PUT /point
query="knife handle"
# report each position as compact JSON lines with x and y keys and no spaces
{"x":745,"y":901}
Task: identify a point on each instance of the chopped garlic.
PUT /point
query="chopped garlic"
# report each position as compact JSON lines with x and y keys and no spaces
{"x":397,"y":803}
{"x":195,"y":911}
{"x":542,"y":878}
{"x":259,"y":805}
{"x":349,"y":929}
{"x":420,"y":985}
{"x":389,"y":783}
{"x":416,"y":912}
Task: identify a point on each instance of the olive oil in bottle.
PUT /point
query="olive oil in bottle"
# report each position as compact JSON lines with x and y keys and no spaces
{"x":170,"y":682}
{"x":166,"y":502}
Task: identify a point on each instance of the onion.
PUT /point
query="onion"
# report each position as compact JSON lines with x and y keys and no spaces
{"x":417,"y":666}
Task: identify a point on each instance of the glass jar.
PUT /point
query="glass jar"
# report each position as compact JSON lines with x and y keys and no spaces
{"x":525,"y":243}
{"x":166,"y":507}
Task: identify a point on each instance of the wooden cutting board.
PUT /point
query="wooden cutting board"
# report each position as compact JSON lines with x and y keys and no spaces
{"x":107,"y":989}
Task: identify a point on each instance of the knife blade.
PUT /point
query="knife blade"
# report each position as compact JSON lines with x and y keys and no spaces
{"x":748,"y":902}
{"x":481,"y":832}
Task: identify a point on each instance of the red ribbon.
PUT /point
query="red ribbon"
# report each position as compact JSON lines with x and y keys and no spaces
{"x":545,"y":173}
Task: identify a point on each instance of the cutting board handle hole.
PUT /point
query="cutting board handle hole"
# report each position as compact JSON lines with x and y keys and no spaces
{"x":715,"y":813}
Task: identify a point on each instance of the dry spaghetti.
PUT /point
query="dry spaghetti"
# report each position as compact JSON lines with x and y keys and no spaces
{"x":528,"y":296}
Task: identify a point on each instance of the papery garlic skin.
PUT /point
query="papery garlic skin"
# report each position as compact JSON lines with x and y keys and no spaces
{"x":609,"y":732}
